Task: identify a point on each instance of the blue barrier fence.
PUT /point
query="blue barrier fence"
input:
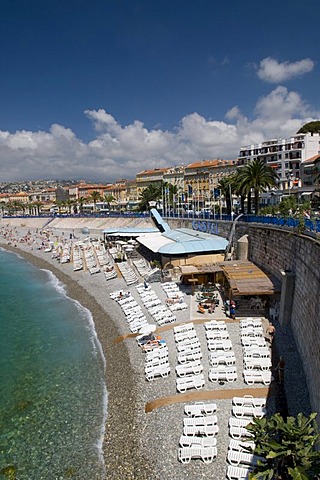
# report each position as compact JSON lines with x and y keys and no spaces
{"x":309,"y":225}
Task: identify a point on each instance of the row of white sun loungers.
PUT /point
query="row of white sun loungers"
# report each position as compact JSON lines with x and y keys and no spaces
{"x":77,"y":258}
{"x":132,"y":310}
{"x":240,"y":455}
{"x":256,"y":355}
{"x":127,"y":272}
{"x":200,"y":427}
{"x":221,"y":356}
{"x":152,"y":302}
{"x":189,"y":368}
{"x":143,"y":268}
{"x":157,"y":363}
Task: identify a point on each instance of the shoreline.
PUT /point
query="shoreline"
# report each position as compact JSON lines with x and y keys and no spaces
{"x":121,"y":451}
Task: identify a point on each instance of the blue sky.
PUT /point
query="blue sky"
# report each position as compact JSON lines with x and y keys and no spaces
{"x":103,"y":89}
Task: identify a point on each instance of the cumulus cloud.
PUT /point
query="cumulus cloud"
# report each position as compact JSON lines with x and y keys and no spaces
{"x":272,"y":71}
{"x":122,"y":151}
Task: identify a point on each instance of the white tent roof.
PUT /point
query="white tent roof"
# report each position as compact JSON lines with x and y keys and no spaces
{"x":154,"y":241}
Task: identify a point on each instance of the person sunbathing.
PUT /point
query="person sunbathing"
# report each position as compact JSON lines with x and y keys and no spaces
{"x":201,"y":308}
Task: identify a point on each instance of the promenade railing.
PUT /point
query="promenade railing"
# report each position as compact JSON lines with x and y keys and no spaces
{"x":310,"y":225}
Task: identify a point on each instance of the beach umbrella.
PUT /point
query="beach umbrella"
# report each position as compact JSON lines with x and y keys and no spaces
{"x":146,"y":329}
{"x":85,"y":230}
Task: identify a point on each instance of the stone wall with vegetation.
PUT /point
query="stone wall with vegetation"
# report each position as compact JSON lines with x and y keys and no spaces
{"x":277,"y":250}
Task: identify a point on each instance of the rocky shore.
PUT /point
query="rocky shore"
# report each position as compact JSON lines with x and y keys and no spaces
{"x":140,"y":445}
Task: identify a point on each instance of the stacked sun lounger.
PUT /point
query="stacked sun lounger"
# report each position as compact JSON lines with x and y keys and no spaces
{"x":152,"y":302}
{"x":157,"y":363}
{"x":256,"y":356}
{"x":221,"y":356}
{"x":77,"y":258}
{"x":243,"y":410}
{"x":101,"y":254}
{"x":132,"y":310}
{"x":189,"y":368}
{"x":142,"y":266}
{"x":240,"y":455}
{"x":200,"y":427}
{"x":109,"y":271}
{"x":65,"y":253}
{"x":90,"y":259}
{"x":127,"y":272}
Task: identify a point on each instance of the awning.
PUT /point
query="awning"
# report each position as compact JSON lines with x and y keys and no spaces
{"x":245,"y":278}
{"x":154,"y":241}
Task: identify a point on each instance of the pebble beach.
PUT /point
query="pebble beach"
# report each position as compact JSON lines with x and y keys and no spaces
{"x":144,"y":445}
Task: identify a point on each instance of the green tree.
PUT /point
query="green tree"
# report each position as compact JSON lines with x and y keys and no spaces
{"x":225,"y":186}
{"x":80,"y":202}
{"x":288,"y":447}
{"x":312,"y":127}
{"x":152,"y":193}
{"x":258,"y":176}
{"x":108,"y":198}
{"x":95,"y":197}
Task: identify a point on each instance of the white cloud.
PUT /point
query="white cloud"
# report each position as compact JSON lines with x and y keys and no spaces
{"x":122,"y":151}
{"x":272,"y":71}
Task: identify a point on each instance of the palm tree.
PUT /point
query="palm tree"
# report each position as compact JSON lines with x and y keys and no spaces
{"x":108,"y":198}
{"x":38,"y":206}
{"x":289,"y":447}
{"x":152,"y":193}
{"x":80,"y":202}
{"x":3,"y":206}
{"x":69,"y":205}
{"x":225,"y":187}
{"x":95,"y":197}
{"x":258,"y":176}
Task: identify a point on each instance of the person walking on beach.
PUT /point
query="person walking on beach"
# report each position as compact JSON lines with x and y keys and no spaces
{"x":280,"y":370}
{"x":271,"y":330}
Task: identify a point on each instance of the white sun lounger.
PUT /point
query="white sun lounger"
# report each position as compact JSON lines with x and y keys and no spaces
{"x":236,"y":458}
{"x":184,"y":327}
{"x":186,"y":383}
{"x":207,"y":454}
{"x":160,"y":371}
{"x":189,"y":440}
{"x":158,"y":352}
{"x":189,"y":334}
{"x":200,"y":408}
{"x":239,"y":422}
{"x":239,"y":433}
{"x":155,"y":362}
{"x":208,"y":430}
{"x":250,"y":352}
{"x":248,"y":411}
{"x":253,"y":362}
{"x":200,"y":421}
{"x":223,"y":372}
{"x":241,"y":446}
{"x":189,"y":356}
{"x":215,"y":325}
{"x":221,"y":357}
{"x":193,"y":368}
{"x":214,"y":345}
{"x":249,"y":400}
{"x":217,"y":335}
{"x":188,"y":343}
{"x":189,"y":347}
{"x":238,"y":473}
{"x":253,"y":341}
{"x":257,"y":376}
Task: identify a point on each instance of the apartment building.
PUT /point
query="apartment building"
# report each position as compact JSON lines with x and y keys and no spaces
{"x":286,"y":156}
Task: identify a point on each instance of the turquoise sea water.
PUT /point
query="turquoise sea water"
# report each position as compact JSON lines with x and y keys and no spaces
{"x":53,"y":397}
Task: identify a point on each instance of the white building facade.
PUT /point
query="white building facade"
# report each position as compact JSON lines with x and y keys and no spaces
{"x":284,"y":155}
